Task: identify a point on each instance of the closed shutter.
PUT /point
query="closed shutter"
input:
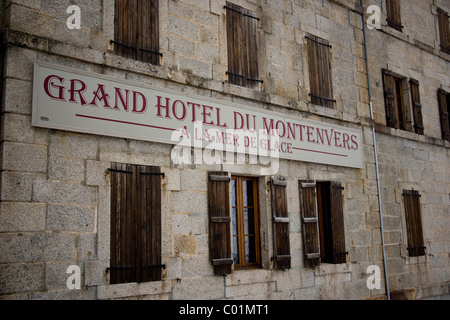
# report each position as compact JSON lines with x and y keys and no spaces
{"x":337,"y":223}
{"x":149,"y":223}
{"x":443,"y":98}
{"x":389,"y":98}
{"x":393,"y":14}
{"x":242,"y":33}
{"x":310,"y":222}
{"x":282,"y":255}
{"x":137,"y":30}
{"x":444,"y":30}
{"x":413,"y":223}
{"x":135,"y":224}
{"x":319,"y":59}
{"x":417,"y":106}
{"x":219,"y":222}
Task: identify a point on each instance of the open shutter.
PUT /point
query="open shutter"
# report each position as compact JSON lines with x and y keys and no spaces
{"x":443,"y":112}
{"x":337,"y":223}
{"x":389,"y":97}
{"x":282,"y":255}
{"x":219,"y":222}
{"x":417,"y":106}
{"x":310,"y":222}
{"x":413,"y":223}
{"x":242,"y":33}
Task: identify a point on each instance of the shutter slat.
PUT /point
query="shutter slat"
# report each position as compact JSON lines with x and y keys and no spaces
{"x":310,"y":227}
{"x":282,"y":256}
{"x":220,"y":220}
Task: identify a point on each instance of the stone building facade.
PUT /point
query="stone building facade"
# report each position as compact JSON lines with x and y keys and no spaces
{"x":59,"y":183}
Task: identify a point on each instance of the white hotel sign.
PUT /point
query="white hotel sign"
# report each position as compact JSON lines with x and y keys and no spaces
{"x":79,"y":101}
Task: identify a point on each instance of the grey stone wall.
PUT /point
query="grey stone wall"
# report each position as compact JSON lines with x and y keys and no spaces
{"x":54,"y":209}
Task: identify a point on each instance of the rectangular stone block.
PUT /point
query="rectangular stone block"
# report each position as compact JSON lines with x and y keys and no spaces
{"x":61,"y":192}
{"x":70,"y":218}
{"x":18,"y":216}
{"x":16,"y":278}
{"x":24,"y":157}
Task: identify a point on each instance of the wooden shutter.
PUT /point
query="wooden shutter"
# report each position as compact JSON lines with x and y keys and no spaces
{"x":444,"y":30}
{"x":149,"y":223}
{"x":417,"y":106}
{"x":393,"y":14}
{"x":219,"y":222}
{"x":310,"y":222}
{"x":135,"y":224}
{"x":337,"y":223}
{"x":242,"y":33}
{"x":282,"y":255}
{"x":443,"y":98}
{"x":389,"y":98}
{"x":137,"y":30}
{"x":319,"y":59}
{"x":413,"y":223}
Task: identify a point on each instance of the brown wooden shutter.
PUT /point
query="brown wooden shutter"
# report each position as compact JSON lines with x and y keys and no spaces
{"x":242,"y":33}
{"x":280,"y":216}
{"x":389,"y":98}
{"x":444,"y":30}
{"x":149,"y":223}
{"x":393,"y":14}
{"x":310,"y":222}
{"x":123,"y":254}
{"x":413,"y":223}
{"x":219,"y":222}
{"x":137,"y":30}
{"x":443,"y":98}
{"x":319,"y":59}
{"x":135,"y":224}
{"x":417,"y":106}
{"x":337,"y":223}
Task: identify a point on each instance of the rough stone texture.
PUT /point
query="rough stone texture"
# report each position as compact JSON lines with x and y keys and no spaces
{"x":55,"y":194}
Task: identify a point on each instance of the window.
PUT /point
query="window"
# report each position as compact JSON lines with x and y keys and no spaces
{"x":135,"y":245}
{"x":242,"y":33}
{"x":136,"y":31}
{"x":444,"y":110}
{"x":245,"y":221}
{"x":319,"y":59}
{"x":393,"y":14}
{"x":444,"y":30}
{"x":413,"y":219}
{"x":322,"y":222}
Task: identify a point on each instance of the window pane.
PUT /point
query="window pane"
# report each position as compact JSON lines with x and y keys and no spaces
{"x":233,"y":193}
{"x":249,"y":220}
{"x":248,"y":192}
{"x":250,"y":252}
{"x":234,"y":221}
{"x":235,"y":250}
